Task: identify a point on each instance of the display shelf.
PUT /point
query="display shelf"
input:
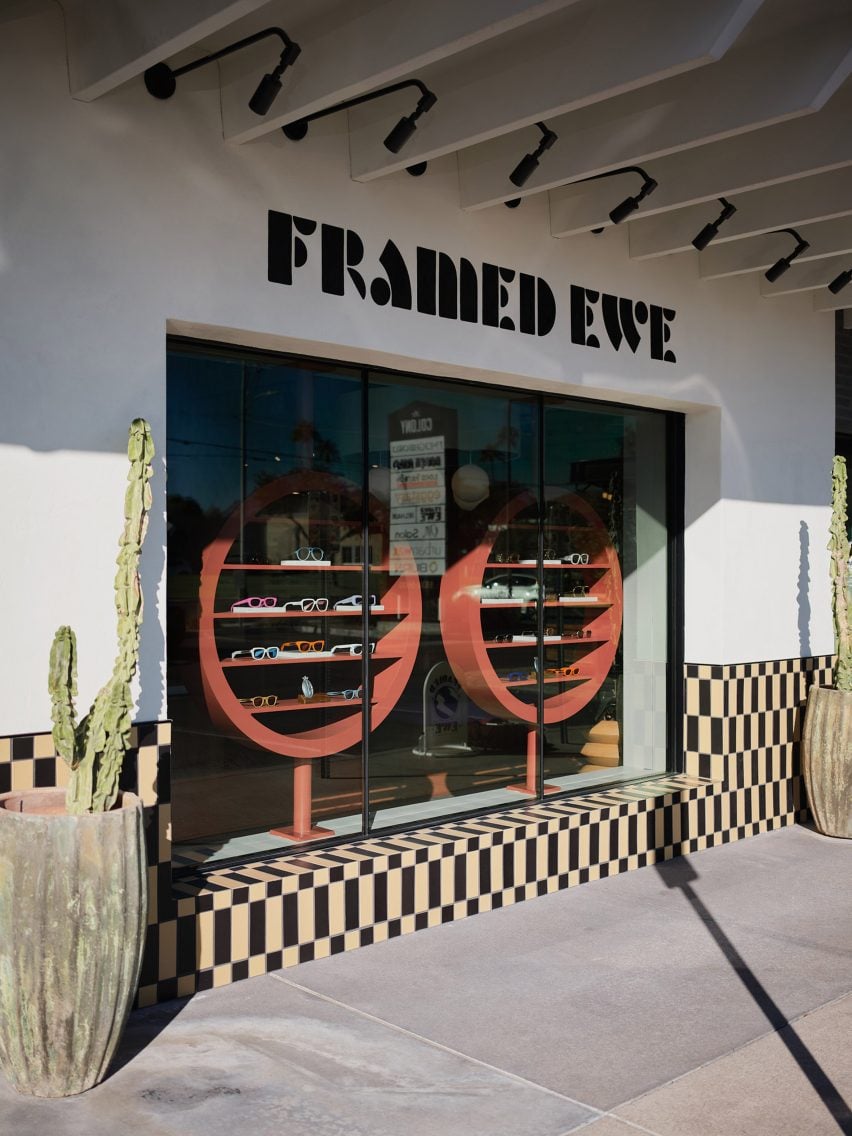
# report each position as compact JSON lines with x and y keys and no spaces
{"x":570,"y":640}
{"x":304,"y":658}
{"x":301,"y":568}
{"x":580,"y":601}
{"x":274,"y":613}
{"x":547,"y":680}
{"x":549,"y":564}
{"x":285,"y":705}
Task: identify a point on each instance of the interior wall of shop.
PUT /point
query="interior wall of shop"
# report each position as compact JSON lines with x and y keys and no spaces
{"x":126,"y":217}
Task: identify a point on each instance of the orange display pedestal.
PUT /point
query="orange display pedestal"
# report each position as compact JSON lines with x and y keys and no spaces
{"x":401,"y":600}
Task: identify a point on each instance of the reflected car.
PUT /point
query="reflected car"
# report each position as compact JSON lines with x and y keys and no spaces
{"x":518,"y":586}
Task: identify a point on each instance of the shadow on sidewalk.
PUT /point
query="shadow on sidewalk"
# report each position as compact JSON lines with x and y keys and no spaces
{"x":679,"y":874}
{"x":143,"y":1026}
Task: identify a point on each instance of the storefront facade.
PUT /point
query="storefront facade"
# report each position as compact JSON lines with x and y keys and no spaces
{"x":482,"y":563}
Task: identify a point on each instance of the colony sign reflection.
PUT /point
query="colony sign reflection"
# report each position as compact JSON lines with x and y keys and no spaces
{"x":433,"y":283}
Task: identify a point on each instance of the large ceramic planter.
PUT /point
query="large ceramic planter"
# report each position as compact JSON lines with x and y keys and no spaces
{"x":827,"y":759}
{"x":73,"y":906}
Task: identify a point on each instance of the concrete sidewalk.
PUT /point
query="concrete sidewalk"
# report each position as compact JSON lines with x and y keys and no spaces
{"x":711,"y":996}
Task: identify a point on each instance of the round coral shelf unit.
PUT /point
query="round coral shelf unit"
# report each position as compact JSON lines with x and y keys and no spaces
{"x":308,"y":623}
{"x":489,"y":601}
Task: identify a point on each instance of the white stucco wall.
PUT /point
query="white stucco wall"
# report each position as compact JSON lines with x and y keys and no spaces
{"x":123,"y":217}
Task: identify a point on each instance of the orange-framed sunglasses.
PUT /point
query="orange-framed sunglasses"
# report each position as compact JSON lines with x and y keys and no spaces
{"x":566,"y":672}
{"x":305,"y":645}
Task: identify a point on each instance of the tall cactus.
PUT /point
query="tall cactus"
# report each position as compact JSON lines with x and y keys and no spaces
{"x":95,"y":747}
{"x":838,"y":546}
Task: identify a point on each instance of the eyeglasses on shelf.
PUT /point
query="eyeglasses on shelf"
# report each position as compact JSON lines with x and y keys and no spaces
{"x":257,"y":653}
{"x":351,"y":648}
{"x":309,"y":553}
{"x":305,"y":645}
{"x":308,"y":604}
{"x":255,"y":602}
{"x":260,"y":700}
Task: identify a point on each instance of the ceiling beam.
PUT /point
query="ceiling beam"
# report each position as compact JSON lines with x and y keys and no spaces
{"x":808,"y":277}
{"x":826,"y":238}
{"x":587,"y":56}
{"x":798,"y":202}
{"x":111,"y":41}
{"x":803,"y":146}
{"x":362,"y":49}
{"x":755,"y":86}
{"x":824,"y":301}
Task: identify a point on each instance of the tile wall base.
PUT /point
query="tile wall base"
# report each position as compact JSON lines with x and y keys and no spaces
{"x":740,"y":777}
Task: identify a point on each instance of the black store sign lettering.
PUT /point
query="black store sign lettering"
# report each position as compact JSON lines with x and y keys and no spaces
{"x":438,"y":285}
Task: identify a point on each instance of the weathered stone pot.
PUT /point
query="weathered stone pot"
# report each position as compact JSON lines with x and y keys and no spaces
{"x":827,"y":759}
{"x":73,"y":906}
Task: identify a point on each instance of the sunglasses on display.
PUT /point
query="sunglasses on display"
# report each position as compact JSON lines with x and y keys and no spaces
{"x":579,"y":590}
{"x":505,"y":558}
{"x":351,"y":649}
{"x":565,"y":671}
{"x":502,"y":638}
{"x":308,"y":604}
{"x":305,"y":645}
{"x":349,"y":695}
{"x":549,"y":554}
{"x":309,"y":553}
{"x":260,"y":700}
{"x":255,"y":602}
{"x":517,"y":676}
{"x":353,"y":601}
{"x":576,"y":558}
{"x":584,"y":634}
{"x":257,"y":653}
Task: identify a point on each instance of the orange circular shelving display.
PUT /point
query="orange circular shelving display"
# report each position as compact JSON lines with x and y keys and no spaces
{"x":470,"y":654}
{"x":402,"y":598}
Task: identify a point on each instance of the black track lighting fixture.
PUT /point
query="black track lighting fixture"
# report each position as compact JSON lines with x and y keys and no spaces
{"x":780,"y":266}
{"x":711,"y":229}
{"x":161,"y":80}
{"x":839,"y":282}
{"x":629,"y":204}
{"x":512,"y":203}
{"x":400,"y":134}
{"x":525,"y":168}
{"x":417,"y":170}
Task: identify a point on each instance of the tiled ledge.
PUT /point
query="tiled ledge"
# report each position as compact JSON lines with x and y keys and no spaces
{"x":233,"y":923}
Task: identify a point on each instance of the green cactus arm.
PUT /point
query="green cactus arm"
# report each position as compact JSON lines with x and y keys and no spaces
{"x":838,"y":546}
{"x":62,"y":686}
{"x":103,"y":736}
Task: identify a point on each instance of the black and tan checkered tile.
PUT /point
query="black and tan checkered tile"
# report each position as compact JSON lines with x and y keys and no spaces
{"x":212,"y":927}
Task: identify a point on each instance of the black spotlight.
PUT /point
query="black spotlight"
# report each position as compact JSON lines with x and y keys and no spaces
{"x":780,"y":266}
{"x":631,"y":204}
{"x":711,"y":229}
{"x":161,"y":80}
{"x":408,"y":123}
{"x":840,"y":282}
{"x":400,"y":134}
{"x":522,"y":172}
{"x":417,"y":170}
{"x":512,"y":203}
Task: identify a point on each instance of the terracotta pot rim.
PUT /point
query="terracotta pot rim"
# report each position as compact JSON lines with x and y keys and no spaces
{"x":126,"y":801}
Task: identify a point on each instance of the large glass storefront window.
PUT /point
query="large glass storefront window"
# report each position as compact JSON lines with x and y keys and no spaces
{"x":394,"y":599}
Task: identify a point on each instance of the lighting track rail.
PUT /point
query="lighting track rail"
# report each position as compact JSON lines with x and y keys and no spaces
{"x":161,"y":80}
{"x":400,"y":134}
